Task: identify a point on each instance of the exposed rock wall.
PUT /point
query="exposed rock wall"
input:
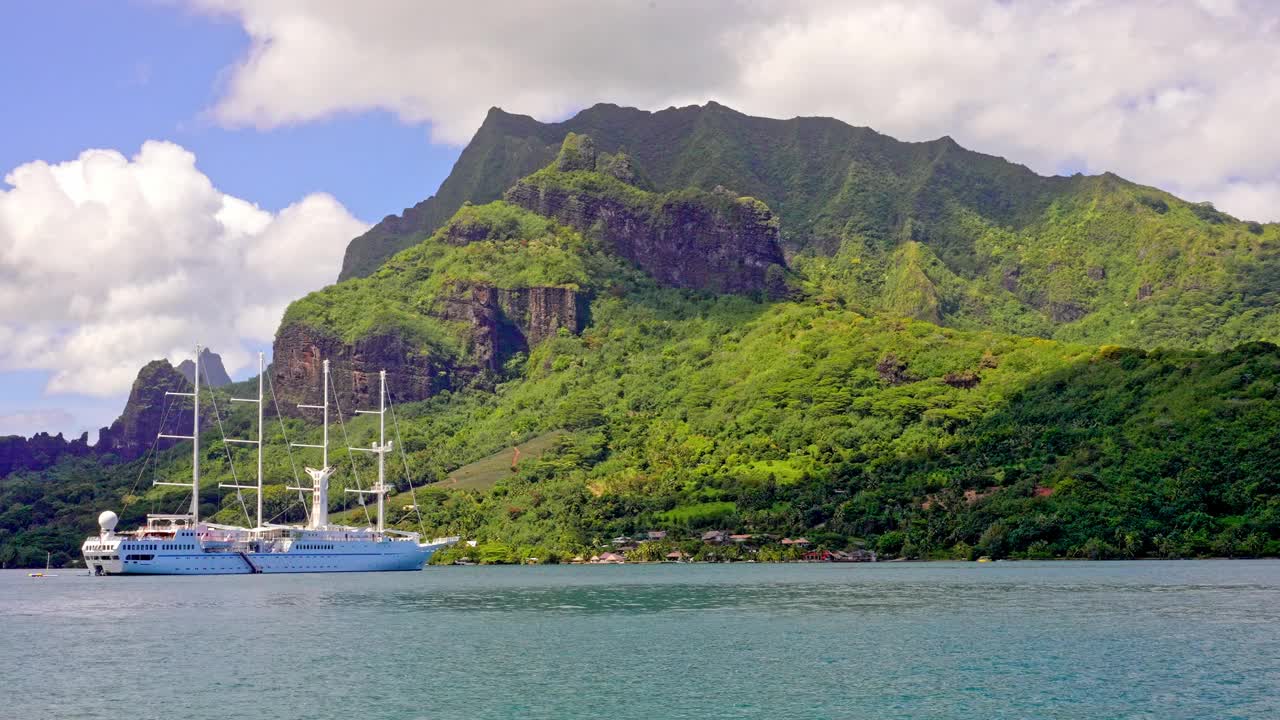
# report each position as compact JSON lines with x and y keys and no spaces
{"x":501,"y":322}
{"x":539,"y":312}
{"x":706,"y":241}
{"x":297,"y":359}
{"x":495,"y":323}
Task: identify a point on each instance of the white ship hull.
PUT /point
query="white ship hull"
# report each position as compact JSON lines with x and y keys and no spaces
{"x":181,"y":545}
{"x":181,"y":556}
{"x":231,"y":563}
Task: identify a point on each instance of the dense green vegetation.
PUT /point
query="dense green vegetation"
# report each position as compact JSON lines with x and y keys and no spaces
{"x":515,"y":249}
{"x":686,"y":412}
{"x":1089,"y":259}
{"x":789,"y":425}
{"x":944,"y":379}
{"x":1099,"y":266}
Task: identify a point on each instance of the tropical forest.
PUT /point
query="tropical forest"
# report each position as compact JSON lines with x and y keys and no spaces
{"x":659,"y":325}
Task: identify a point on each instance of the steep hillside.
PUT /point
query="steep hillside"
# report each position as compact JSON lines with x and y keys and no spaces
{"x":823,"y":176}
{"x":687,"y":412}
{"x":932,"y":380}
{"x":499,"y":278}
{"x":1094,"y":259}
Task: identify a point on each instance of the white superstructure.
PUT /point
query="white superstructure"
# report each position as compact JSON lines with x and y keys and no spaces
{"x":183,"y":545}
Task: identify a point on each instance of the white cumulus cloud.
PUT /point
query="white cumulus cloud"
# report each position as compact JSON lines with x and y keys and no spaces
{"x":107,"y":262}
{"x":1176,"y":94}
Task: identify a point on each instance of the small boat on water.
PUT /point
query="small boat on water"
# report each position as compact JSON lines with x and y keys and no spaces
{"x":48,"y":557}
{"x":183,"y":544}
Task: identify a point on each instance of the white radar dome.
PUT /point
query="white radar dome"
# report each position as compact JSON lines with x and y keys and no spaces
{"x":107,"y":520}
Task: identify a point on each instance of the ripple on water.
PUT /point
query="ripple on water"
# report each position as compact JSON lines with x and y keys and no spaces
{"x":1070,"y":640}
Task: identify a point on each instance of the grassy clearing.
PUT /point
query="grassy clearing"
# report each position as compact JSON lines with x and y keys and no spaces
{"x":484,"y":473}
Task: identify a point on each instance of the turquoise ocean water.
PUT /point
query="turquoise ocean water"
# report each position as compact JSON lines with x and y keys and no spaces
{"x":1160,"y":640}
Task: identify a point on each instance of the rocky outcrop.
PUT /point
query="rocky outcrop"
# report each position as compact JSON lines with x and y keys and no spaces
{"x":716,"y":241}
{"x":212,"y":372}
{"x":577,"y":152}
{"x":1009,"y":280}
{"x":704,"y":241}
{"x":40,"y":451}
{"x":503,"y":322}
{"x":146,"y":412}
{"x":461,"y":232}
{"x":1066,"y":312}
{"x":495,"y":324}
{"x":412,"y":374}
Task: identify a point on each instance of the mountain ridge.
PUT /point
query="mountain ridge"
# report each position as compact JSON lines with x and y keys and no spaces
{"x":519,"y":156}
{"x":1073,"y":257}
{"x":931,"y":366}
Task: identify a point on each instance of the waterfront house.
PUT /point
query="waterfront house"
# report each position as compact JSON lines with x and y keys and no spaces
{"x":715,"y":537}
{"x":676,"y":556}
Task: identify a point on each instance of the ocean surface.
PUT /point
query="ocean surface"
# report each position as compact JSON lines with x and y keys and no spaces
{"x":1160,"y":640}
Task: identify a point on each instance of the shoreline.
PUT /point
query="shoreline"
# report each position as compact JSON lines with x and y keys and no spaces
{"x":895,"y":561}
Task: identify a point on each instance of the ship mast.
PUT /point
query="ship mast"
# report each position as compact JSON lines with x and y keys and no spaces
{"x":194,"y":437}
{"x":380,"y":448}
{"x":261,"y":371}
{"x":319,"y":478}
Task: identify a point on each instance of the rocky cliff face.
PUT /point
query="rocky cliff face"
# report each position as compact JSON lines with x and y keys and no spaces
{"x":502,"y":322}
{"x":496,"y":323}
{"x":817,"y":173}
{"x":133,"y":433}
{"x":297,"y":363}
{"x":714,"y":241}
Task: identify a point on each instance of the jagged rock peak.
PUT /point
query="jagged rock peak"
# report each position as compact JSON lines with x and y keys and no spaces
{"x":577,"y":152}
{"x":133,"y":433}
{"x":213,"y":373}
{"x":40,"y":451}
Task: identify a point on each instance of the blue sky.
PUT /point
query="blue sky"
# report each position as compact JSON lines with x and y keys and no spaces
{"x":107,"y":75}
{"x":251,"y":139}
{"x":125,"y":73}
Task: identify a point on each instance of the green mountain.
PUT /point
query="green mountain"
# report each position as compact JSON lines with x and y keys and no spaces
{"x":1090,"y":259}
{"x":707,"y":321}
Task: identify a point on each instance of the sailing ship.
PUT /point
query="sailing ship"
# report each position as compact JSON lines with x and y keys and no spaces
{"x":182,"y":544}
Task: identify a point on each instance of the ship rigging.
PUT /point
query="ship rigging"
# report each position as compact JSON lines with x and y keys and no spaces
{"x":182,"y":544}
